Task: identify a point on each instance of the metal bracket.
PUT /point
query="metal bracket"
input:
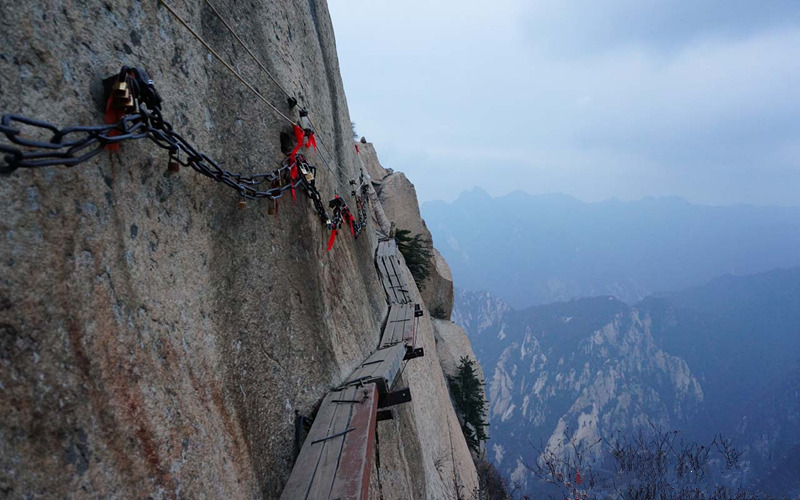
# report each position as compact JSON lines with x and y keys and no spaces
{"x":302,"y":425}
{"x":413,"y":353}
{"x":385,"y":415}
{"x":391,"y":398}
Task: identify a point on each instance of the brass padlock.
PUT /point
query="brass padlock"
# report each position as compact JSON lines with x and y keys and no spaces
{"x":242,"y":204}
{"x":122,"y":96}
{"x":121,"y":89}
{"x":306,"y":172}
{"x":173,"y":166}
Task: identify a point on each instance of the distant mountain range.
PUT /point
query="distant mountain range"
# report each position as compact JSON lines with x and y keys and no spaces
{"x":722,"y":357}
{"x":530,"y":250}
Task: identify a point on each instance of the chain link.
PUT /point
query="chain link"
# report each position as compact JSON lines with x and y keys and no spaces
{"x":74,"y":145}
{"x":361,"y":201}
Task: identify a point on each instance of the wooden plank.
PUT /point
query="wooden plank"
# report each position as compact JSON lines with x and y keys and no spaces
{"x":401,"y":291}
{"x":328,"y":461}
{"x":306,"y":469}
{"x":387,"y":285}
{"x":355,"y":462}
{"x":337,"y":455}
{"x":390,"y":279}
{"x":395,"y":283}
{"x":381,"y":368}
{"x":389,"y":338}
{"x":408,"y":326}
{"x":399,"y":325}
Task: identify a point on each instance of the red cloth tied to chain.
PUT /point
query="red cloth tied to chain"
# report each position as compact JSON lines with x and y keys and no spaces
{"x":293,"y":169}
{"x":350,"y":221}
{"x":357,"y":151}
{"x":578,"y":479}
{"x":298,"y":137}
{"x":312,"y":141}
{"x":112,"y":116}
{"x":331,"y":240}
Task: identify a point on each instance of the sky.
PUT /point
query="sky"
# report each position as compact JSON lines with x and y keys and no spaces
{"x":596,"y":99}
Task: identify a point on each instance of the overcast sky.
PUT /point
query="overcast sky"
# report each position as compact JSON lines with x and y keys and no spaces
{"x":596,"y":99}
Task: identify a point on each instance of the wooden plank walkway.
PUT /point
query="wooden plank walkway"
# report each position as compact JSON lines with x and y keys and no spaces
{"x":381,"y":368}
{"x":337,"y":456}
{"x":400,"y":326}
{"x":389,"y":266}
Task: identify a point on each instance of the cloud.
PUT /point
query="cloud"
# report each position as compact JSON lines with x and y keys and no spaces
{"x":627,"y":99}
{"x":581,"y":28}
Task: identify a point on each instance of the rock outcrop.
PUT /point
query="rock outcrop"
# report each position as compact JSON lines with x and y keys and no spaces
{"x":156,"y":341}
{"x":399,"y":201}
{"x":452,"y":344}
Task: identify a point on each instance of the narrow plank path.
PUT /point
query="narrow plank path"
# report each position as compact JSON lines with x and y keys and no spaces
{"x":336,"y":458}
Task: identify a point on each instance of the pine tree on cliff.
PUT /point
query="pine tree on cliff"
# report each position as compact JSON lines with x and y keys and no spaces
{"x":467,"y":392}
{"x":416,"y":252}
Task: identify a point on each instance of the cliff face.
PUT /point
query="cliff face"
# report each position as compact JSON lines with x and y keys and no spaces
{"x":157,"y":341}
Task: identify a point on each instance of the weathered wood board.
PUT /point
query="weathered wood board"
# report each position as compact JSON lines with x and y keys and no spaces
{"x":399,"y":326}
{"x":381,"y":368}
{"x":389,"y":266}
{"x":337,"y":456}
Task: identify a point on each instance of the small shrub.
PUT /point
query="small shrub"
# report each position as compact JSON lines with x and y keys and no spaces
{"x":417,"y":252}
{"x":438,"y":313}
{"x":467,"y":393}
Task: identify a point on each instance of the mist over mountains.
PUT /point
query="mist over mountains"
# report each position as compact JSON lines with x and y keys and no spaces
{"x":531,"y":250}
{"x":720,"y":358}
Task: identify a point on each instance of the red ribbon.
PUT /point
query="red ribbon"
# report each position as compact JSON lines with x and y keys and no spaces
{"x":298,"y":137}
{"x":112,"y":116}
{"x":312,"y":141}
{"x":578,"y":479}
{"x":357,"y":151}
{"x":293,"y":169}
{"x":330,"y":241}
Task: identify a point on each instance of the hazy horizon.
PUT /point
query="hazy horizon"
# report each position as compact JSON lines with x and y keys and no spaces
{"x":604,"y":200}
{"x":620,"y":99}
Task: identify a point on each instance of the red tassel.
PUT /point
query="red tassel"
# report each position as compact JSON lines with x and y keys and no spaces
{"x":330,"y":241}
{"x":312,"y":141}
{"x":352,"y":231}
{"x":293,"y":171}
{"x":578,"y":478}
{"x":294,"y":197}
{"x":357,"y":151}
{"x":298,"y":137}
{"x":112,"y":116}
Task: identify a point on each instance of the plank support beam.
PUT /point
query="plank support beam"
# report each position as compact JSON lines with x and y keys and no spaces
{"x":392,"y":398}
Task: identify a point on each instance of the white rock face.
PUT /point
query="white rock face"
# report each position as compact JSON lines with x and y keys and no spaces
{"x":560,"y":381}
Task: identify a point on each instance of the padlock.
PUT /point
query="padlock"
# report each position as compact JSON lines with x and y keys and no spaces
{"x":242,"y":204}
{"x":120,"y":89}
{"x":306,"y":172}
{"x":173,"y":166}
{"x":122,"y":97}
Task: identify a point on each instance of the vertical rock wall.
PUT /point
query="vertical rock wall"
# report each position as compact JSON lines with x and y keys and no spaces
{"x":156,"y":341}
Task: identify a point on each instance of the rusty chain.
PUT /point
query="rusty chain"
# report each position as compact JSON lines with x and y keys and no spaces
{"x":74,"y":145}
